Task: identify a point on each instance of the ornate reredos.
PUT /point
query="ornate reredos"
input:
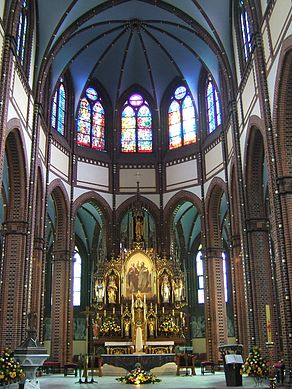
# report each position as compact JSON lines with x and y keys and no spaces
{"x":141,"y":270}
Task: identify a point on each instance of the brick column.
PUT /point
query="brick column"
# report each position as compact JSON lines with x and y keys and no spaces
{"x":37,"y":283}
{"x":262,"y":275}
{"x":60,"y":304}
{"x":12,"y":288}
{"x":238,"y":293}
{"x":216,"y":319}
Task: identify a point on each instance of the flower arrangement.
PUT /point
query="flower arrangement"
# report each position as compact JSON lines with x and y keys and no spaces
{"x":138,"y":376}
{"x":110,"y":326}
{"x":10,"y":370}
{"x":255,"y":365}
{"x":168,"y":326}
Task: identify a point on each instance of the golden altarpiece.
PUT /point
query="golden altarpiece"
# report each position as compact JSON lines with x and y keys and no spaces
{"x":138,"y":301}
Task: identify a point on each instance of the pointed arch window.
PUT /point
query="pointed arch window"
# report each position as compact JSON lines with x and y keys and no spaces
{"x":136,"y":128}
{"x":59,"y":109}
{"x":181,"y":119}
{"x":91,"y":121}
{"x":200,"y":276}
{"x":245,"y":29}
{"x":77,"y":267}
{"x":22,"y":32}
{"x":213,"y":106}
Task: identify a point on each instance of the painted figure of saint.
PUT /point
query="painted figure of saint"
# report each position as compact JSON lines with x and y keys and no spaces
{"x":165,"y":289}
{"x":99,"y":290}
{"x":112,"y":290}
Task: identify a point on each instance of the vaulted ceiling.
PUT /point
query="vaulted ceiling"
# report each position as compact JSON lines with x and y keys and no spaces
{"x":122,"y":43}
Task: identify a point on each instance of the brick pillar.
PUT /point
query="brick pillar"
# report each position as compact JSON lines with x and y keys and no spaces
{"x":12,"y":289}
{"x":60,"y":304}
{"x":37,"y":283}
{"x":262,"y":285}
{"x":238,"y":293}
{"x":216,"y":319}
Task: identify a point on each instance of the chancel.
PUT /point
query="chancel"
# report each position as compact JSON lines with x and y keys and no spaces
{"x":145,"y":163}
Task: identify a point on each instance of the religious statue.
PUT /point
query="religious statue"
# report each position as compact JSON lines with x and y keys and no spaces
{"x":151,"y":325}
{"x":112,"y":290}
{"x":165,"y":289}
{"x":96,"y":323}
{"x":127,"y":324}
{"x":139,"y":227}
{"x":99,"y":290}
{"x":177,"y":286}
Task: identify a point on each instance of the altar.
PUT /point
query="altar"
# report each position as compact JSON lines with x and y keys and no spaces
{"x":129,"y":361}
{"x":138,"y":299}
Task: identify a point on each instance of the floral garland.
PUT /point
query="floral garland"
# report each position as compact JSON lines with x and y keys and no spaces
{"x":255,"y":365}
{"x":10,"y":370}
{"x":168,"y":326}
{"x":110,"y":326}
{"x":138,"y":376}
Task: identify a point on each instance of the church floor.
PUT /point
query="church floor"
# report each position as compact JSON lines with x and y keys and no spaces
{"x":168,"y":381}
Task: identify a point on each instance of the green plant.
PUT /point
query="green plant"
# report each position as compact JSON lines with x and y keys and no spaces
{"x":10,"y":370}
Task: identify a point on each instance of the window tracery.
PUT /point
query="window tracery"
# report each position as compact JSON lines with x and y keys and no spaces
{"x":136,"y":128}
{"x":213,"y":106}
{"x":181,"y":119}
{"x":91,"y":121}
{"x":59,"y":109}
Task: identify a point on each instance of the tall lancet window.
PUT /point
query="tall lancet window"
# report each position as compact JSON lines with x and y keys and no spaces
{"x":91,"y":121}
{"x":59,"y":109}
{"x":77,"y":267}
{"x":136,"y":129}
{"x":22,"y":32}
{"x":200,"y":277}
{"x":245,"y":30}
{"x":181,"y":119}
{"x":213,"y":106}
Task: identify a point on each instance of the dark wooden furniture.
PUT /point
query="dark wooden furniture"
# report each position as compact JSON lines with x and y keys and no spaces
{"x":185,"y":361}
{"x":51,"y":367}
{"x":71,"y":368}
{"x":207,"y":367}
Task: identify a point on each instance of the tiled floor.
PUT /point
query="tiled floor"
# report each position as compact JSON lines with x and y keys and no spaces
{"x":168,"y":381}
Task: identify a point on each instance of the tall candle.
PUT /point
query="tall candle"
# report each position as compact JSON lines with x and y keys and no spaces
{"x":162,"y":309}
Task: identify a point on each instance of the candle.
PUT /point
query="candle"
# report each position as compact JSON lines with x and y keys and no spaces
{"x":181,"y":314}
{"x":104,"y":313}
{"x":173,"y":312}
{"x":162,"y":309}
{"x":114,"y":310}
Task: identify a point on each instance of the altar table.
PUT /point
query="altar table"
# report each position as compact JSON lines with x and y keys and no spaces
{"x":147,"y":361}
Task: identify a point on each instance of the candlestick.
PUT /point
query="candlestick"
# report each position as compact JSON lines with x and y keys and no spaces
{"x":173,"y":312}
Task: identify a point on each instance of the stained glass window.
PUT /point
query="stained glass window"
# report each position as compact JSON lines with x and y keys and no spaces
{"x":77,"y":265}
{"x":245,"y":29}
{"x":136,"y":126}
{"x":22,"y":31}
{"x":213,"y":106}
{"x":181,"y":119}
{"x":200,"y":277}
{"x":90,"y":121}
{"x":59,"y":109}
